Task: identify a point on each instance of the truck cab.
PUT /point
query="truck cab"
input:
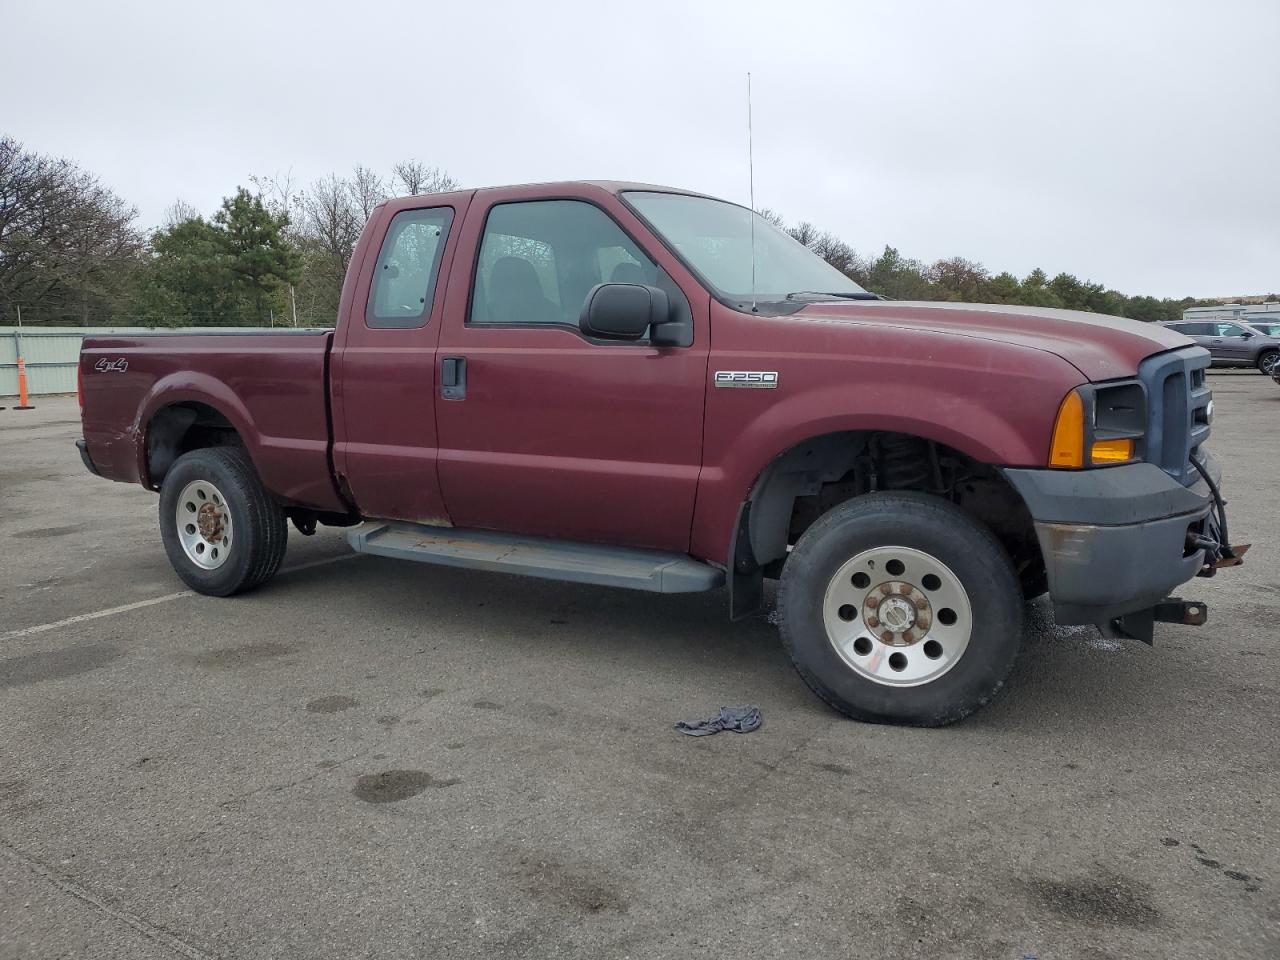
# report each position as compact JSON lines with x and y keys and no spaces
{"x":651,"y":388}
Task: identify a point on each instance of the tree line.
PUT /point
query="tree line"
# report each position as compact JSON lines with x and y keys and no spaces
{"x":275,"y":253}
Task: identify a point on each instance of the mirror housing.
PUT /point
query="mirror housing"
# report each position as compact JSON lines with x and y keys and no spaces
{"x":623,"y":311}
{"x":1247,"y":335}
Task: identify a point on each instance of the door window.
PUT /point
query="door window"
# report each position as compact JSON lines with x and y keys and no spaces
{"x":1230,"y":330}
{"x":404,"y":279}
{"x":539,"y":259}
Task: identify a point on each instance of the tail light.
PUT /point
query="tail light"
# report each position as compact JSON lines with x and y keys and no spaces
{"x":80,"y":388}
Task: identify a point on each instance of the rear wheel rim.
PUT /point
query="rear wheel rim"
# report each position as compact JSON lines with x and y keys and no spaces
{"x":897,"y":616}
{"x":204,"y":525}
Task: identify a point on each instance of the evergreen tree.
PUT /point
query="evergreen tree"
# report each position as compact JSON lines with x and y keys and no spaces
{"x":256,"y":253}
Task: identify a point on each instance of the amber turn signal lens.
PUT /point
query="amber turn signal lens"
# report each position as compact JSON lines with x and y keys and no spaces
{"x":1111,"y":451}
{"x":1067,"y":450}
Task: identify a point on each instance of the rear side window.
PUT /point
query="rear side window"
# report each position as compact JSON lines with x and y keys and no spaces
{"x":404,"y":278}
{"x":1195,"y":329}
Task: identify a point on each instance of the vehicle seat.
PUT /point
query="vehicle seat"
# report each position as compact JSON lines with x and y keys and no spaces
{"x":627,"y":273}
{"x":515,"y":294}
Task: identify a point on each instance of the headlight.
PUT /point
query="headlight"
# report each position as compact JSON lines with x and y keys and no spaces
{"x":1099,"y":425}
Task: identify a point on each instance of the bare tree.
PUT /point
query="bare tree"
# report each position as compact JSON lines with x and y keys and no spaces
{"x":805,"y":232}
{"x":279,"y":193}
{"x":413,"y":177}
{"x":178,"y":212}
{"x":367,"y":190}
{"x":773,"y":217}
{"x":333,"y":221}
{"x":64,"y":237}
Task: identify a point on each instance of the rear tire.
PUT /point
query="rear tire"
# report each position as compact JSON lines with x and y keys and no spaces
{"x":221,"y":530}
{"x":956,"y":606}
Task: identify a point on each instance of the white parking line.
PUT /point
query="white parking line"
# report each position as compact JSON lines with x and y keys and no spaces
{"x":111,"y":611}
{"x":125,"y":608}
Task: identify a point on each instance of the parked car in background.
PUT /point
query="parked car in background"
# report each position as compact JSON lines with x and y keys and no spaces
{"x":1233,"y":344}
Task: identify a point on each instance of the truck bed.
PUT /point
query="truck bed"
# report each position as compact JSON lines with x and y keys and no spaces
{"x":271,"y":385}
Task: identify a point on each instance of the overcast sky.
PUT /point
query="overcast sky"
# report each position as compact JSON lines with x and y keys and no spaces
{"x":1133,"y":142}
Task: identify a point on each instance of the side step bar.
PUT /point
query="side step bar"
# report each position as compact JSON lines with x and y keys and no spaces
{"x":537,"y":557}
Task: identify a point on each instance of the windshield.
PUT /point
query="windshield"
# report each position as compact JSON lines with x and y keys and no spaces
{"x":714,"y":238}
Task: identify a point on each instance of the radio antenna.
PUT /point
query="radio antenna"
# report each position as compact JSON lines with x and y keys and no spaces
{"x":751,"y":188}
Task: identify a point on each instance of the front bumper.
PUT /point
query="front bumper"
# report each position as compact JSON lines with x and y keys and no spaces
{"x":1115,"y":540}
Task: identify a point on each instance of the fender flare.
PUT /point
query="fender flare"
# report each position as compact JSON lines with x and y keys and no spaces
{"x":191,"y":387}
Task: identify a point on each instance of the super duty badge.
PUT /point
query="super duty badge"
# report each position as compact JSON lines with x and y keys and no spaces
{"x":747,"y":379}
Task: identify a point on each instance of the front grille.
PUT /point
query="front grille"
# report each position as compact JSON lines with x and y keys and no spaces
{"x":1177,"y":409}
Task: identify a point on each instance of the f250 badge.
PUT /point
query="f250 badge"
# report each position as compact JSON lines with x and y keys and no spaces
{"x":118,"y":365}
{"x":747,"y":379}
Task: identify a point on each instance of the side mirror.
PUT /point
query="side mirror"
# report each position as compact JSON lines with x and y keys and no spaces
{"x":623,"y":311}
{"x":1246,"y":335}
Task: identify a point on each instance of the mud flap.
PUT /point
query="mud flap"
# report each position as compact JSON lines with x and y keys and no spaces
{"x":746,"y":579}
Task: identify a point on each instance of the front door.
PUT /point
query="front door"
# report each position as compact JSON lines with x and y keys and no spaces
{"x":543,"y":430}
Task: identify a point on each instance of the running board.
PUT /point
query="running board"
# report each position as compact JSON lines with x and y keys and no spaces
{"x":537,"y":557}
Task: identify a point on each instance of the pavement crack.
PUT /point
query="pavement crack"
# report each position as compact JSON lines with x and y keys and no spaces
{"x":140,"y":925}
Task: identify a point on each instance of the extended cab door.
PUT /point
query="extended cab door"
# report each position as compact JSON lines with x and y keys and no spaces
{"x":383,"y":363}
{"x":541,"y":429}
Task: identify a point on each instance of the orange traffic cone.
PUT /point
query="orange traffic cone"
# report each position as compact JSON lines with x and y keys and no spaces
{"x":22,"y":386}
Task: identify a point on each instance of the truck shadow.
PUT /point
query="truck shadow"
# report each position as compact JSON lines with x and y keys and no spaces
{"x":1061,"y":670}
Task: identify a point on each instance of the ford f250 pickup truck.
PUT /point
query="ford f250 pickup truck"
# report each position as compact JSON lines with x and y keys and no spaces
{"x":643,"y":387}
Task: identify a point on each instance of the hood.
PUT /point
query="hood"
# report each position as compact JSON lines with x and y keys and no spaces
{"x":1101,"y":347}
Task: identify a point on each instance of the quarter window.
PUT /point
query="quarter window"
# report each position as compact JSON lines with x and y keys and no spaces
{"x":539,"y":259}
{"x":404,"y":279}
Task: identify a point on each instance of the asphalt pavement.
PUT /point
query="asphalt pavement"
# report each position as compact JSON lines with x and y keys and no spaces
{"x":372,"y":758}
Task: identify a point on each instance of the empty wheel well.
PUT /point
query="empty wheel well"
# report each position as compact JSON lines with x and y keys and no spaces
{"x":182,"y":427}
{"x":818,"y":474}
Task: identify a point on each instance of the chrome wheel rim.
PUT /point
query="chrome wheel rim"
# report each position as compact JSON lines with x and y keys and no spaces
{"x":897,"y":616}
{"x":204,"y":525}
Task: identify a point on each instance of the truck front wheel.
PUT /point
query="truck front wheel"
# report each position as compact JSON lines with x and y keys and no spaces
{"x":900,"y":608}
{"x":222,"y":532}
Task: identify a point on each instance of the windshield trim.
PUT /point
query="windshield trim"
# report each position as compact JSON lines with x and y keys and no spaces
{"x":770,"y":307}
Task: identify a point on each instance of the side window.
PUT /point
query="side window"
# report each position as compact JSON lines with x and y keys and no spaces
{"x":1230,"y":330}
{"x":1197,"y":329}
{"x":404,"y":278}
{"x":539,"y":259}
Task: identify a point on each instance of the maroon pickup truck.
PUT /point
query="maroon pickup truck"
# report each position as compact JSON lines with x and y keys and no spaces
{"x":641,"y":387}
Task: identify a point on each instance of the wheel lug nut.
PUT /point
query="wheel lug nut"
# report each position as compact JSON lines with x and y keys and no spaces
{"x":873,"y":621}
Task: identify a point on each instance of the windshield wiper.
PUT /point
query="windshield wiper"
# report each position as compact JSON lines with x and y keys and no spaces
{"x":809,"y":294}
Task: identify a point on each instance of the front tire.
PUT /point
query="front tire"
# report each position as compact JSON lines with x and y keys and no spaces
{"x":900,"y":608}
{"x":221,"y":530}
{"x":1267,"y":361}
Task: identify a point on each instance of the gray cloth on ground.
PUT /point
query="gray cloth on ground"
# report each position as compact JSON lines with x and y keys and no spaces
{"x":740,"y":719}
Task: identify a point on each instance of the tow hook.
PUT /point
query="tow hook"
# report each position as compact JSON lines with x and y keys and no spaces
{"x":1216,"y":555}
{"x":1140,"y":625}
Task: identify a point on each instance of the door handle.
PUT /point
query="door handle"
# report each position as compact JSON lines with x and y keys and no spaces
{"x":453,"y":378}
